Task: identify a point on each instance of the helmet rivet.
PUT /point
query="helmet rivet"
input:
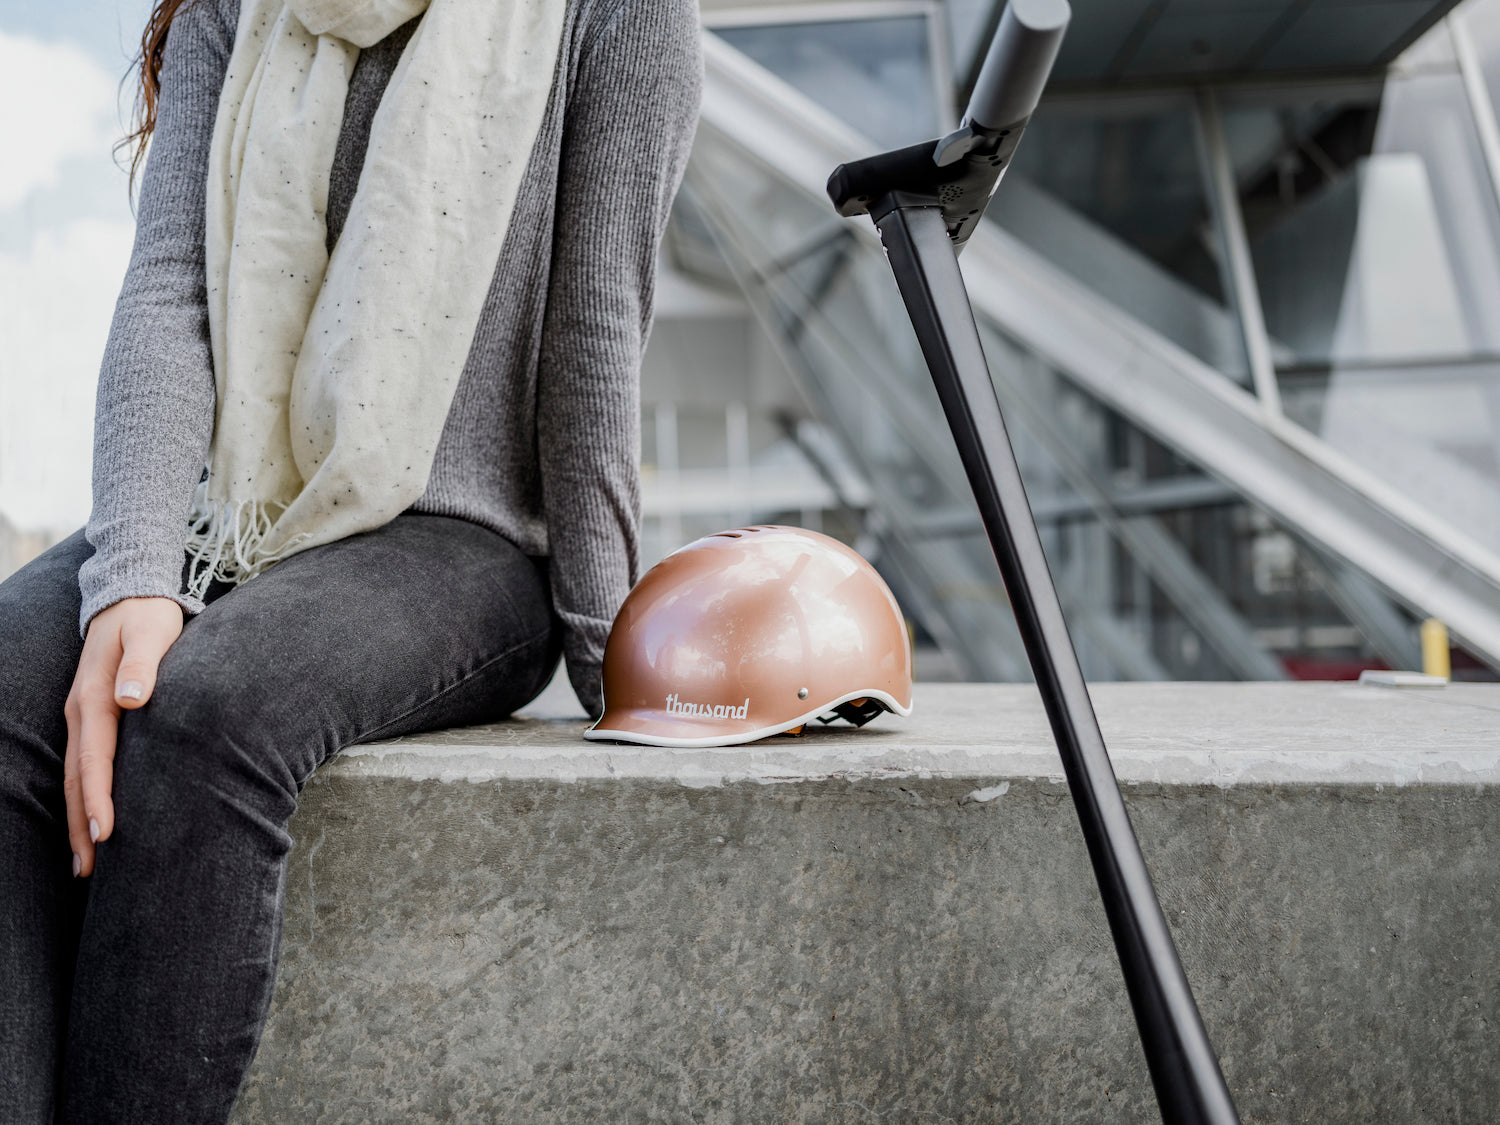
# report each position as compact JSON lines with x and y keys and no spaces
{"x":801,"y":693}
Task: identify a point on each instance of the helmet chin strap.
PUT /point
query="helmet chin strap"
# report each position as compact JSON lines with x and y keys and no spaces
{"x":856,"y":711}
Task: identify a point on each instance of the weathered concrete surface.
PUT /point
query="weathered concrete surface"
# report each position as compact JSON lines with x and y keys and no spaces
{"x":562,"y":931}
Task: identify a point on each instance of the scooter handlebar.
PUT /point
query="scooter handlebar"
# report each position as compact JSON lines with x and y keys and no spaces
{"x":1020,"y":58}
{"x":959,"y":172}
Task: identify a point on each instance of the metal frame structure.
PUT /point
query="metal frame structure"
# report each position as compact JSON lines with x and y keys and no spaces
{"x":1238,"y":269}
{"x":1426,"y":564}
{"x":1241,"y":76}
{"x":1481,"y":108}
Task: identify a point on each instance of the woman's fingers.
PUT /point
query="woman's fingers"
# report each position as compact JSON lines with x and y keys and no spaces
{"x":99,"y":723}
{"x":117,"y":669}
{"x":78,"y":821}
{"x":88,"y":764}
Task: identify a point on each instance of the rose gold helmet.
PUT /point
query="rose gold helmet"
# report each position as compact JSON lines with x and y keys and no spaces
{"x":749,"y":633}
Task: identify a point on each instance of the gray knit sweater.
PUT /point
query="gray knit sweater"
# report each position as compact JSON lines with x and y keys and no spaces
{"x":542,"y":443}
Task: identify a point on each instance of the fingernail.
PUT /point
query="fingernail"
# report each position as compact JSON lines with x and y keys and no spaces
{"x":93,"y":830}
{"x":132,"y":689}
{"x":77,"y":865}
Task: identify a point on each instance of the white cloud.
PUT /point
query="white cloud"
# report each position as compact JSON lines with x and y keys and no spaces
{"x":56,"y":302}
{"x":59,"y":103}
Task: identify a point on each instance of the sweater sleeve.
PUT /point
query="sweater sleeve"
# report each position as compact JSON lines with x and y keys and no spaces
{"x":627,"y":129}
{"x":154,"y":411}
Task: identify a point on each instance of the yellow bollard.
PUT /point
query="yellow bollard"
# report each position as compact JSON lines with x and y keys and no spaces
{"x":1435,"y":648}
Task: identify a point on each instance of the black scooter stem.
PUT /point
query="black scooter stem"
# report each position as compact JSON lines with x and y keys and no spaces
{"x":1190,"y":1089}
{"x":926,"y":201}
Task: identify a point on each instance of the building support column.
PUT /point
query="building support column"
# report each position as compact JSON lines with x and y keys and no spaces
{"x":1481,"y":108}
{"x":1237,"y":267}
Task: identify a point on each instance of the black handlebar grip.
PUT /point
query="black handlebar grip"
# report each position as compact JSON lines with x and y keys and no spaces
{"x":1020,"y":58}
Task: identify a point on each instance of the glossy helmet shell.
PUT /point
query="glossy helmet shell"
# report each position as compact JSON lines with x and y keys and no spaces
{"x":749,"y":633}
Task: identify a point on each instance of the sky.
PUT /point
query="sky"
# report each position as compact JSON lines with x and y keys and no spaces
{"x":65,"y":235}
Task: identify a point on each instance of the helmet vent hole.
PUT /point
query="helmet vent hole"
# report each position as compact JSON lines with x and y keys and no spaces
{"x":801,"y":693}
{"x":726,"y":535}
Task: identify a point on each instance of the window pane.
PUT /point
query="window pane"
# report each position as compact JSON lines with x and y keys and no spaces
{"x":875,"y":74}
{"x":1371,"y":226}
{"x":1112,"y":192}
{"x":1375,"y":233}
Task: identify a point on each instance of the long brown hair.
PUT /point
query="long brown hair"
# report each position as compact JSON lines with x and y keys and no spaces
{"x":147,"y":64}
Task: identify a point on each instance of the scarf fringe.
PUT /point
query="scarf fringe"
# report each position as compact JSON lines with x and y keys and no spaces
{"x":224,"y":541}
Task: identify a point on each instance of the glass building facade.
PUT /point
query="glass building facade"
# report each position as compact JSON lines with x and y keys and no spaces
{"x":1240,"y":294}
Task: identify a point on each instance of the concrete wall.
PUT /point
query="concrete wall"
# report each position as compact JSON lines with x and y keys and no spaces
{"x":510,"y":924}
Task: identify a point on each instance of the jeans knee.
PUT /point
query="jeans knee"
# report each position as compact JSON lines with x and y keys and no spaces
{"x":191,"y":769}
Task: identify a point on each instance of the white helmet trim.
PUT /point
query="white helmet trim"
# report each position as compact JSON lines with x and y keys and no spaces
{"x":596,"y":733}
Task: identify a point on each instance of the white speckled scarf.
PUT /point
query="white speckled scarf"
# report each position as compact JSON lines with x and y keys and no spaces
{"x":334,"y":375}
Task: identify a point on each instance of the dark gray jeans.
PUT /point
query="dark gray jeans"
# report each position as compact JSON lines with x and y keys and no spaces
{"x":138,"y":995}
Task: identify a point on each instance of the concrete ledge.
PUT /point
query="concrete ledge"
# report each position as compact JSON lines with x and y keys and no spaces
{"x":1173,"y":733}
{"x":507,"y":923}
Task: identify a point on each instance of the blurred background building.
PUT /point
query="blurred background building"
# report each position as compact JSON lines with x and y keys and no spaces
{"x":1241,"y":296}
{"x":1240,"y":293}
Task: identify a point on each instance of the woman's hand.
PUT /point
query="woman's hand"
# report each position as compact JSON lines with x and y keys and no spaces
{"x":123,"y":648}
